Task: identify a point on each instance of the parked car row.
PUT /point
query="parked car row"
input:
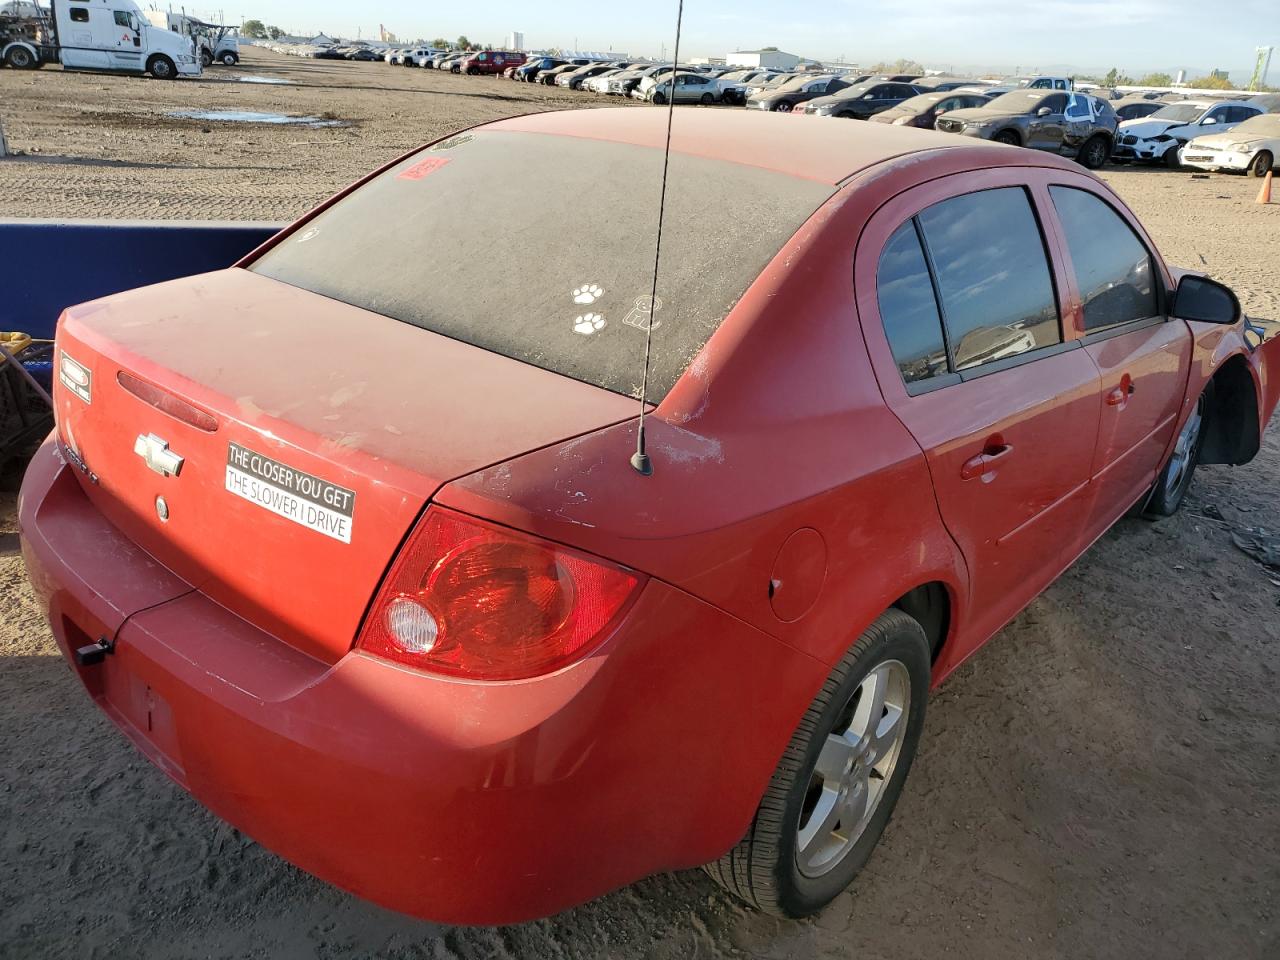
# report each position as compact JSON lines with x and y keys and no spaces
{"x":1042,"y":112}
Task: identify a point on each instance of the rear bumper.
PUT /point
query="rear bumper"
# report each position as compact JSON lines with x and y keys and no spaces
{"x":459,"y":802}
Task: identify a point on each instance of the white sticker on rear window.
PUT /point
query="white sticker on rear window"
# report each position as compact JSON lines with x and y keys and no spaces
{"x":305,"y":499}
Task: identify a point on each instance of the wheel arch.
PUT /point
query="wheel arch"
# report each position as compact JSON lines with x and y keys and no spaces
{"x":930,"y":605}
{"x":1232,"y":431}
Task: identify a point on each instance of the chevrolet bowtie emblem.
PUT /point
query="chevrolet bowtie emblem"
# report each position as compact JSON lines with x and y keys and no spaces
{"x":157,"y":455}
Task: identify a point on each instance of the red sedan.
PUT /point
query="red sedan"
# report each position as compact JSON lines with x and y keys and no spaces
{"x":347,"y":540}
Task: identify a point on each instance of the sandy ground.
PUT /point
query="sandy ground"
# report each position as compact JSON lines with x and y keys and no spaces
{"x":1101,"y":781}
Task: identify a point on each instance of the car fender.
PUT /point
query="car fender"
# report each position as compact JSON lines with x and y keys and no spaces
{"x":1216,"y":345}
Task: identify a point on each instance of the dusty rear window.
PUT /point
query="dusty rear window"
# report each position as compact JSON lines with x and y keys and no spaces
{"x":541,"y":248}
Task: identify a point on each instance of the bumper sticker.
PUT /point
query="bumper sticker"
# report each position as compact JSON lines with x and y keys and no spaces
{"x":308,"y":500}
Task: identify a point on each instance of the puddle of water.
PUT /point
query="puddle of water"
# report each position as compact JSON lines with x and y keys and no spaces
{"x":248,"y":116}
{"x":261,"y":80}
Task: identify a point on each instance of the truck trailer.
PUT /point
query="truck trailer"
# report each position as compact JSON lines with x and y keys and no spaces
{"x":109,"y":36}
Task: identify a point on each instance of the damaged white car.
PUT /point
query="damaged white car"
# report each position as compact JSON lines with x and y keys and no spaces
{"x":1252,"y":147}
{"x":1159,"y":137}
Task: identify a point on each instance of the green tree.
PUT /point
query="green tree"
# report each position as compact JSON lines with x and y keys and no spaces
{"x":899,"y":66}
{"x":254,"y":30}
{"x":1156,"y":80}
{"x":1211,"y":83}
{"x":1112,"y":78}
{"x":275,"y":33}
{"x":440,"y":43}
{"x":463,"y":43}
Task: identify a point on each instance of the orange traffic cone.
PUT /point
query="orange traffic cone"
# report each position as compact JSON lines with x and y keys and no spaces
{"x":1264,"y":195}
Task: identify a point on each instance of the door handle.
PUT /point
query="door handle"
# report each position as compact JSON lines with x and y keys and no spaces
{"x":986,"y":461}
{"x":1119,"y":395}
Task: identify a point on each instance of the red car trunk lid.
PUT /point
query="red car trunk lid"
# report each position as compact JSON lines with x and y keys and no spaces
{"x":273,"y":447}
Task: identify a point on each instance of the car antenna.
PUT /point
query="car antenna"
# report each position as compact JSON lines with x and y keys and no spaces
{"x":640,"y":459}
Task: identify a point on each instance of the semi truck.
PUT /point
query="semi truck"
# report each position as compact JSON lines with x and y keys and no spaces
{"x":215,"y":42}
{"x":99,"y":35}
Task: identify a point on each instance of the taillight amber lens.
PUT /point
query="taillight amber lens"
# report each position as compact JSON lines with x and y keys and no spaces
{"x":470,"y":599}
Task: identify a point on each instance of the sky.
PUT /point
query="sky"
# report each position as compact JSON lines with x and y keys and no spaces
{"x":1134,"y":35}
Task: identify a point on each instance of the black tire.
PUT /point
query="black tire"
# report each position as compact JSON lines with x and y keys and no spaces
{"x":659,"y":98}
{"x":1175,"y":477}
{"x":162,"y":68}
{"x":708,"y":99}
{"x":1008,"y":136}
{"x":846,"y":116}
{"x":1170,"y":158}
{"x":229,"y":59}
{"x":783,"y":106}
{"x":763,"y":869}
{"x":20,"y":58}
{"x":206,"y":58}
{"x":1093,"y":152}
{"x":1261,"y":165}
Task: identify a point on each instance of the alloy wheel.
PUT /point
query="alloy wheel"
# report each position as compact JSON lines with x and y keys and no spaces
{"x":855,"y":764}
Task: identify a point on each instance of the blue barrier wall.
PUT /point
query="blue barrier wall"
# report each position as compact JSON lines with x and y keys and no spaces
{"x":51,"y":264}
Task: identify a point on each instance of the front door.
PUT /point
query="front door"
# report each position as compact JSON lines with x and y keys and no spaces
{"x":126,"y":52}
{"x":1143,"y":357}
{"x":978,"y":371}
{"x":1045,"y":132}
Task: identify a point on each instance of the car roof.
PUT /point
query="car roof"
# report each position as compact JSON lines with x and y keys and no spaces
{"x":825,"y":151}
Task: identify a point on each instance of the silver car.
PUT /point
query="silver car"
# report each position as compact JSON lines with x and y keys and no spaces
{"x":688,"y":88}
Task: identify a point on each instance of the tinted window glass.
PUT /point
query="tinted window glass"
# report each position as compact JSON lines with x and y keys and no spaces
{"x":1057,"y":102}
{"x":121,"y":18}
{"x":908,"y":309}
{"x":80,"y":14}
{"x":583,"y":312}
{"x":1113,"y":268}
{"x":993,"y":276}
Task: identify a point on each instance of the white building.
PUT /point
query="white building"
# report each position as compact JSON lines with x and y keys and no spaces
{"x":515,"y":40}
{"x":763,"y":59}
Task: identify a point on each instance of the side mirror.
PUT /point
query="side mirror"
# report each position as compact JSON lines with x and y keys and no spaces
{"x":1199,"y":298}
{"x":1208,"y":121}
{"x":1043,"y":112}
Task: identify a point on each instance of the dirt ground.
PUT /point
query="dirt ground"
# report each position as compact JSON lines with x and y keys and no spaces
{"x":1101,"y":781}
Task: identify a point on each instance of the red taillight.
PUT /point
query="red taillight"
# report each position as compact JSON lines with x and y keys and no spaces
{"x":474,"y":600}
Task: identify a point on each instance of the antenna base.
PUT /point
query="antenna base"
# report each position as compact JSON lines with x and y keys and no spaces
{"x":640,"y":461}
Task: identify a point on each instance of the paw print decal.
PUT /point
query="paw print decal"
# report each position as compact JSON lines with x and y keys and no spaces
{"x":588,"y":294}
{"x":589,"y":323}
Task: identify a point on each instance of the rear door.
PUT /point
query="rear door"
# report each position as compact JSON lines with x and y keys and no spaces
{"x":1077,"y":122}
{"x":968,"y":346}
{"x":1143,"y":356}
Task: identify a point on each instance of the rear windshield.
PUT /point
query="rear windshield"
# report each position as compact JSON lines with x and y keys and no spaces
{"x":541,"y":248}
